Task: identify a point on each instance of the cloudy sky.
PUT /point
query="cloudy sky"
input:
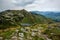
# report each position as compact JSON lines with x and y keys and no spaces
{"x":30,"y":5}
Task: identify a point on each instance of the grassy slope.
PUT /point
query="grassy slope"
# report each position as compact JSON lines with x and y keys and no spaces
{"x":15,"y":17}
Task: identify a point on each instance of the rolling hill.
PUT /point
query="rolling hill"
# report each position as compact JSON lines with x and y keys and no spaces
{"x":53,"y":15}
{"x":16,"y":17}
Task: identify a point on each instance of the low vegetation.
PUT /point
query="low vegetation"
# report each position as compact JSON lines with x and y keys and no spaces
{"x":24,"y":25}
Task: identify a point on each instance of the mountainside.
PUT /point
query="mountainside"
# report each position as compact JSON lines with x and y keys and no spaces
{"x":16,"y":17}
{"x":53,"y":15}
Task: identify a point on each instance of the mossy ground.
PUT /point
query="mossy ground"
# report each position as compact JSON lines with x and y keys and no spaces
{"x":44,"y":29}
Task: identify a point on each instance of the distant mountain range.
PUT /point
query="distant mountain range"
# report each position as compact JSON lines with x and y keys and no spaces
{"x":53,"y":15}
{"x":16,"y":17}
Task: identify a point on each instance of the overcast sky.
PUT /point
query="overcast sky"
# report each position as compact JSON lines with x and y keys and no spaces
{"x":30,"y":5}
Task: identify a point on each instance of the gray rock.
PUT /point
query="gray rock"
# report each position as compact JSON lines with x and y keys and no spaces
{"x":1,"y":38}
{"x":14,"y":38}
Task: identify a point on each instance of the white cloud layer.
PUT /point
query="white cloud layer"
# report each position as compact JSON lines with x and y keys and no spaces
{"x":31,"y":5}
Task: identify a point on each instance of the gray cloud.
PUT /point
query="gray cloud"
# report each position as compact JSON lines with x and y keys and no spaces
{"x":40,"y":5}
{"x":23,"y":2}
{"x":11,"y":4}
{"x":45,"y":5}
{"x":5,"y":4}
